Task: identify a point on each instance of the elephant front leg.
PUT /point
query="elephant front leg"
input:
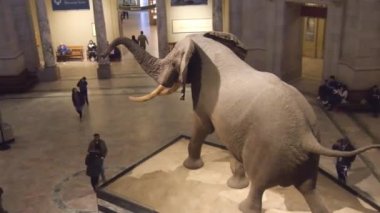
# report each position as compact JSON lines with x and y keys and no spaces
{"x":200,"y":132}
{"x":238,"y":180}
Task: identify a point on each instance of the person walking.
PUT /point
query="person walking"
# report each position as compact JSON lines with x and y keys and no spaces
{"x":343,"y":164}
{"x":94,"y":167}
{"x":99,"y":146}
{"x":78,"y":101}
{"x":134,"y":39}
{"x":142,"y":40}
{"x":82,"y":85}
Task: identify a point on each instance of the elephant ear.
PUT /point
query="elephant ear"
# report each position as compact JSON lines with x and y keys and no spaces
{"x":188,"y":51}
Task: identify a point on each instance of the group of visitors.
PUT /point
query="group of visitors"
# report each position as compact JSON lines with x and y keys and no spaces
{"x":97,"y":149}
{"x":332,"y":93}
{"x":142,"y":40}
{"x":124,"y":15}
{"x":79,"y":96}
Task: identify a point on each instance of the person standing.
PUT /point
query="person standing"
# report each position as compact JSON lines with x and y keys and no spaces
{"x":142,"y":40}
{"x":94,"y":167}
{"x":343,"y":164}
{"x":99,"y":146}
{"x":82,"y":85}
{"x":78,"y":101}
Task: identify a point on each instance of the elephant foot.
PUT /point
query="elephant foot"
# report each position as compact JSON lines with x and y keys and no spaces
{"x":237,"y":182}
{"x":246,"y":207}
{"x":191,"y":163}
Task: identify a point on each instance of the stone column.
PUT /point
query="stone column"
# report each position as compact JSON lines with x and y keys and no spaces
{"x":50,"y":71}
{"x":12,"y":62}
{"x":236,"y":17}
{"x":162,"y":29}
{"x":104,"y":68}
{"x":24,"y":28}
{"x":217,"y":15}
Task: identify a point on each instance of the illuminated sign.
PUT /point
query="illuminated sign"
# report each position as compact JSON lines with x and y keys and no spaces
{"x":70,"y":4}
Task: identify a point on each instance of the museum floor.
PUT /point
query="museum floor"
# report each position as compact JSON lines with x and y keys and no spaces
{"x":44,"y":169}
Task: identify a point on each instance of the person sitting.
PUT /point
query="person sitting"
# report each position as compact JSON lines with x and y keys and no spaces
{"x":324,"y":92}
{"x":115,"y":54}
{"x":343,"y":93}
{"x":333,"y":83}
{"x":63,"y":50}
{"x":374,"y":100}
{"x":91,"y":51}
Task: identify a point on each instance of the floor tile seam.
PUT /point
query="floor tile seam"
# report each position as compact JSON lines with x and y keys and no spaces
{"x":363,"y":157}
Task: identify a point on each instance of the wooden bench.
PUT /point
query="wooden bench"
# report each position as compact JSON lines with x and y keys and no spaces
{"x":357,"y":100}
{"x":75,"y":53}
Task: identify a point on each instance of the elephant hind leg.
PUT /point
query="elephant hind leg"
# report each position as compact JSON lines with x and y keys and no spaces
{"x":253,"y":203}
{"x":312,"y":197}
{"x":238,"y":180}
{"x":201,"y":128}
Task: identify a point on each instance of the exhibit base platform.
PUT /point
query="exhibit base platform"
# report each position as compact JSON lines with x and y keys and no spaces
{"x":160,"y":183}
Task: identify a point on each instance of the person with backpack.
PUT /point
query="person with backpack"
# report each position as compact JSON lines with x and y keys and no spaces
{"x":343,"y":164}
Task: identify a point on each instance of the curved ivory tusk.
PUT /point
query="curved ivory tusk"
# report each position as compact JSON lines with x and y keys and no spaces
{"x":149,"y":96}
{"x":168,"y":91}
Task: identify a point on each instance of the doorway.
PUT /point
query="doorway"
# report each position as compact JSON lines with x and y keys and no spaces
{"x":313,"y":41}
{"x":142,"y":18}
{"x":304,"y":41}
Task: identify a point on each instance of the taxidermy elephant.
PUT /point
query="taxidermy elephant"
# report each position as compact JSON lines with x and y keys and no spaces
{"x":267,"y":125}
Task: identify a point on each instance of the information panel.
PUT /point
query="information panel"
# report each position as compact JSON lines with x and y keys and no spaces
{"x":71,"y":4}
{"x":192,"y":25}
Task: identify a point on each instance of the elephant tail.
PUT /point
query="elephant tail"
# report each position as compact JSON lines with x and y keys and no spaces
{"x":311,"y":144}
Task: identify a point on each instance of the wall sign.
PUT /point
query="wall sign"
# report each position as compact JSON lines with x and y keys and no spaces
{"x":70,"y":4}
{"x":192,"y":25}
{"x":187,"y":2}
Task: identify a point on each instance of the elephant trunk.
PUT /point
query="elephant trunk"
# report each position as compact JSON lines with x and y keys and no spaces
{"x":311,"y":144}
{"x":149,"y":63}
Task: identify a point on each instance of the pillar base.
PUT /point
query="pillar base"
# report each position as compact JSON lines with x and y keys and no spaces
{"x":104,"y":71}
{"x":49,"y":74}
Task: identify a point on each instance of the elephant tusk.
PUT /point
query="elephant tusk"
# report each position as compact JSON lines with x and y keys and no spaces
{"x":168,"y":91}
{"x":149,"y":96}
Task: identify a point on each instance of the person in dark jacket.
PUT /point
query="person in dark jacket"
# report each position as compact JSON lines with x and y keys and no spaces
{"x":99,"y":146}
{"x":343,"y":164}
{"x":134,"y":39}
{"x":82,"y":85}
{"x":2,"y":210}
{"x":94,"y":167}
{"x":78,"y":101}
{"x":374,"y":100}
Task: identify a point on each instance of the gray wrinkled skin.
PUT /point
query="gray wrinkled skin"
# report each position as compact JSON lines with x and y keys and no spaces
{"x":267,"y":125}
